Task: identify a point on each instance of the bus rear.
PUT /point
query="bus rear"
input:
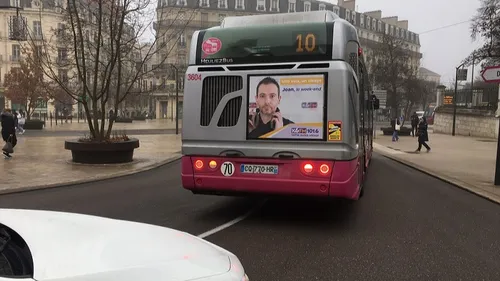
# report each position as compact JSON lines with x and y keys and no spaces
{"x":272,"y":106}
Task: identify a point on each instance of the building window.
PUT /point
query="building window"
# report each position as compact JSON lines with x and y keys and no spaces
{"x":37,"y":28}
{"x":379,"y":26}
{"x":347,"y":15}
{"x":391,"y":30}
{"x":15,"y":3}
{"x":307,"y":6}
{"x":386,"y":28}
{"x":181,"y":59}
{"x":368,"y":21}
{"x":291,"y":6}
{"x":182,"y":40}
{"x":397,"y":32}
{"x":16,"y":53}
{"x":261,"y":5}
{"x":275,"y":5}
{"x":181,"y":2}
{"x":362,"y":20}
{"x":204,"y":3}
{"x":322,"y":7}
{"x":336,"y":10}
{"x":353,"y":17}
{"x":240,"y":5}
{"x":222,"y":4}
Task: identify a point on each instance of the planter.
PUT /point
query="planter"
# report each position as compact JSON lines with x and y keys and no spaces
{"x":34,"y":125}
{"x":405,"y":131}
{"x":139,"y":118}
{"x":102,"y":153}
{"x":123,"y":120}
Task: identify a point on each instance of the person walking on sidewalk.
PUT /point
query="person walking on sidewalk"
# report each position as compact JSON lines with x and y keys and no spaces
{"x":396,"y":126}
{"x":414,"y":123}
{"x":8,"y":130}
{"x":422,"y":134}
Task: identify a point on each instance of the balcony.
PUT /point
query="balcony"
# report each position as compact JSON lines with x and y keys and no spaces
{"x":176,"y":23}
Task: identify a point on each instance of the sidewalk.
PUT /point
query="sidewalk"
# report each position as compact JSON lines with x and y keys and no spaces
{"x":40,"y":162}
{"x":156,"y":124}
{"x":467,"y":162}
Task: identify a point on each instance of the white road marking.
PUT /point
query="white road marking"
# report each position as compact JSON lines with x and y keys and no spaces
{"x":232,"y":222}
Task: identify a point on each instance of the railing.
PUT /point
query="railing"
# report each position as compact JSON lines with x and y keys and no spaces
{"x":481,"y":99}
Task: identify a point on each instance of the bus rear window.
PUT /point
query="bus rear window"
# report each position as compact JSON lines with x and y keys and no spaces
{"x":265,"y":44}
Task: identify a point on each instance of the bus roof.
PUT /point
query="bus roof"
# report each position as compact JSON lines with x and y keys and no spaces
{"x":309,"y":17}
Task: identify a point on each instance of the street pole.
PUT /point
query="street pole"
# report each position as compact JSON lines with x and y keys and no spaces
{"x":176,"y":99}
{"x":455,"y":103}
{"x":455,"y":99}
{"x":497,"y":166}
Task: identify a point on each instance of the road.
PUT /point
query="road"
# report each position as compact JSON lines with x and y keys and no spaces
{"x":408,"y":226}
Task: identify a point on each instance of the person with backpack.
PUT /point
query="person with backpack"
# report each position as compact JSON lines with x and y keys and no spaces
{"x":8,"y":132}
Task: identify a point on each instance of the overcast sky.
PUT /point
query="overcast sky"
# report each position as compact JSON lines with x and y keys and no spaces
{"x":442,"y":49}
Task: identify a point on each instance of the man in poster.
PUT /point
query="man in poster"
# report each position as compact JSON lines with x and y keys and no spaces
{"x":267,"y":116}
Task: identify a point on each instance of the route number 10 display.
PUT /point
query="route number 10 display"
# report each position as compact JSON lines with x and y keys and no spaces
{"x":307,"y":42}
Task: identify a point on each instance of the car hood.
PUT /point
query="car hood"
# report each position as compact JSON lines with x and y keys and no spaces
{"x":73,"y":246}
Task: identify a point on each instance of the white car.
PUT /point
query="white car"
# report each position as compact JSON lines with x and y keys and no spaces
{"x":50,"y":246}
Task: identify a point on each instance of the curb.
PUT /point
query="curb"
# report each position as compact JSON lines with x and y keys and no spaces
{"x":169,"y":160}
{"x":458,"y":183}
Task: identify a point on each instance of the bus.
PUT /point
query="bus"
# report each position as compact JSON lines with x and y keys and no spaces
{"x":277,"y":104}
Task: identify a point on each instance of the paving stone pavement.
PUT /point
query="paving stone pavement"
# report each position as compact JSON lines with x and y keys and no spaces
{"x":468,"y":162}
{"x":42,"y":161}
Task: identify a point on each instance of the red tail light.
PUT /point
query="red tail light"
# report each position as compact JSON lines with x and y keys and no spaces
{"x":324,"y":169}
{"x":308,"y":168}
{"x":198,"y":164}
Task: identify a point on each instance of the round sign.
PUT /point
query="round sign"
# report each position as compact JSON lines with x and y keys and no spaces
{"x":211,"y":46}
{"x":227,"y":169}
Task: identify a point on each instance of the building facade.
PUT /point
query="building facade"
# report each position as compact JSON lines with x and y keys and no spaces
{"x":33,"y":19}
{"x":178,"y":19}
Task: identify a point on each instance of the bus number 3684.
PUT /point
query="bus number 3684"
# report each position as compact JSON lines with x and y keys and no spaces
{"x":194,"y":77}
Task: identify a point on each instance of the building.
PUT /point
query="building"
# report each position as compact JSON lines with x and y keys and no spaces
{"x":30,"y":21}
{"x":427,"y":75}
{"x":178,"y":19}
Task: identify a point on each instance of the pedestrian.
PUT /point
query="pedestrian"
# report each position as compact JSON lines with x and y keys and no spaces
{"x":396,"y":126}
{"x":21,"y":121}
{"x":414,"y":123}
{"x":422,"y":134}
{"x":8,"y":132}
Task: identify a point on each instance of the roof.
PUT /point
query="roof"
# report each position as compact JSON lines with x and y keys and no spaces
{"x":427,"y":72}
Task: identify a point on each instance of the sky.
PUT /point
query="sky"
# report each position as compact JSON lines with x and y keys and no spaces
{"x":442,"y":49}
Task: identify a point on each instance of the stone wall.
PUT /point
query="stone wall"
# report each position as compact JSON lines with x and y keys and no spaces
{"x":468,"y":123}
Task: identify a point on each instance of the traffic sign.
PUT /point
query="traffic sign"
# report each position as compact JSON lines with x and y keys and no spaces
{"x":491,"y":74}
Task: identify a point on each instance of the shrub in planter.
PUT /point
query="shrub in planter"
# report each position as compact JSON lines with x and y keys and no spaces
{"x":34,"y":125}
{"x":123,"y":120}
{"x":117,"y":149}
{"x":404,"y":131}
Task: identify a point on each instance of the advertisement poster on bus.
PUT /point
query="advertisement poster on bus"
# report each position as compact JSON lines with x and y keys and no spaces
{"x":286,"y":107}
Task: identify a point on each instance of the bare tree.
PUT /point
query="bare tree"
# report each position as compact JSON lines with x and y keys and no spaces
{"x":486,"y":25}
{"x":427,"y":93}
{"x":96,"y":56}
{"x":25,"y":85}
{"x":391,"y":68}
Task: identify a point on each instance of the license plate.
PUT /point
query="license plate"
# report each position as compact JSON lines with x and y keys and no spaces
{"x":259,"y":169}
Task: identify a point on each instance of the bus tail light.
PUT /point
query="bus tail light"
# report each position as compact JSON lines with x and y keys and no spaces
{"x":308,"y":168}
{"x":198,"y":164}
{"x":324,"y":169}
{"x":212,"y":164}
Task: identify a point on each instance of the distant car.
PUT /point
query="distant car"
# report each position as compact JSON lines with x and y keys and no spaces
{"x":47,"y":245}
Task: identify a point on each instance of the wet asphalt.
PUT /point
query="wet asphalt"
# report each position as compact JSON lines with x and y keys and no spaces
{"x":408,"y":226}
